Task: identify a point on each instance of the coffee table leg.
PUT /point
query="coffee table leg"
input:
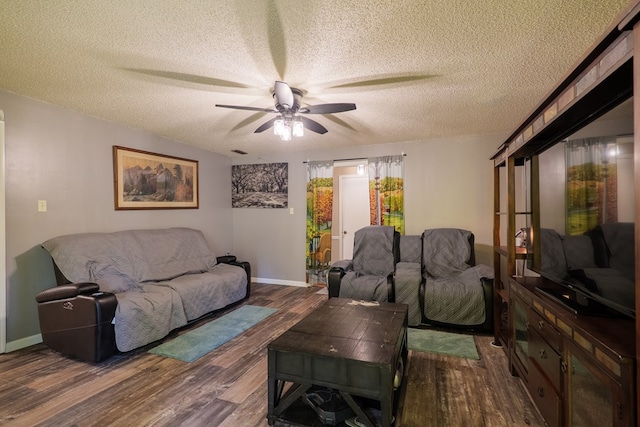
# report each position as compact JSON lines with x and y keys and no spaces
{"x":362,"y":417}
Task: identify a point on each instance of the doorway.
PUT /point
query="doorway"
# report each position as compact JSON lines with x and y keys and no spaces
{"x":353,"y":209}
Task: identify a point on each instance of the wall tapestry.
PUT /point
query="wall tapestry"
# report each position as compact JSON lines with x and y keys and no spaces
{"x":260,"y":185}
{"x":144,"y":180}
{"x":592,"y":196}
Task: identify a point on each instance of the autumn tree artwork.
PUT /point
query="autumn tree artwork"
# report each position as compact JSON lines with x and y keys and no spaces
{"x":145,"y":180}
{"x":263,"y":185}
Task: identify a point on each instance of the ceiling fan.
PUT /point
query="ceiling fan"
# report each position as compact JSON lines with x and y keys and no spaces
{"x":287,"y":104}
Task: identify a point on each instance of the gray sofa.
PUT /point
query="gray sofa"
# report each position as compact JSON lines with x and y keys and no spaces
{"x":434,"y":274}
{"x":130,"y":288}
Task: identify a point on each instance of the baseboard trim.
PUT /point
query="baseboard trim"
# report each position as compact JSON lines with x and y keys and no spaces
{"x":23,"y":342}
{"x":279,"y":282}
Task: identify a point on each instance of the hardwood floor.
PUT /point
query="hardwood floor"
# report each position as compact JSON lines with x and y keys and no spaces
{"x":228,"y":386}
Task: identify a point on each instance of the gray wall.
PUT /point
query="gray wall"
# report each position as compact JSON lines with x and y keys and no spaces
{"x":448,"y":183}
{"x":65,"y":158}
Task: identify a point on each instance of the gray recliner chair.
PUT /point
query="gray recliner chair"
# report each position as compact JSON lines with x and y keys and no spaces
{"x":369,"y":275}
{"x":455,"y":291}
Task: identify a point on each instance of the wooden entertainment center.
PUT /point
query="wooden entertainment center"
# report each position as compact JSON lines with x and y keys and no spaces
{"x":579,"y":370}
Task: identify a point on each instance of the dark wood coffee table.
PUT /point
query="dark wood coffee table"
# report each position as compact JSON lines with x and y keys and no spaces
{"x":343,"y":345}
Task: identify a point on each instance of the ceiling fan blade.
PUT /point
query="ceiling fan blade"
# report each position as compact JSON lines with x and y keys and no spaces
{"x":284,"y":95}
{"x":188,"y":78}
{"x":379,"y":81}
{"x":327,"y":108}
{"x":265,"y":126}
{"x":240,"y":107}
{"x":313,"y":126}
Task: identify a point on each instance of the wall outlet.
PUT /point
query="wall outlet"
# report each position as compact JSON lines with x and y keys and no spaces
{"x":42,"y":205}
{"x":290,"y":211}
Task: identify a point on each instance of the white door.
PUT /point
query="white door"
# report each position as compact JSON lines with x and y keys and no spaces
{"x":354,"y":210}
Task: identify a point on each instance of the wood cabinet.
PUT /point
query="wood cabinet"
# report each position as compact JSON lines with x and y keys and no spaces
{"x":579,"y":370}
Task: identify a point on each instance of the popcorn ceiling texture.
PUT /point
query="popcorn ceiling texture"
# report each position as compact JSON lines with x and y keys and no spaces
{"x":417,"y":70}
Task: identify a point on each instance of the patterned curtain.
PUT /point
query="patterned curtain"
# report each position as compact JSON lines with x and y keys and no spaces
{"x":592,"y":196}
{"x":386,"y":191}
{"x":319,"y":215}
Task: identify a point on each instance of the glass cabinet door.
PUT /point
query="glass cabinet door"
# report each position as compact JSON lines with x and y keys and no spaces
{"x":521,"y":333}
{"x":590,"y":400}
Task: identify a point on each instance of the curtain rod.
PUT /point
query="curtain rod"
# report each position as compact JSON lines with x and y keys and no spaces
{"x":403,"y":154}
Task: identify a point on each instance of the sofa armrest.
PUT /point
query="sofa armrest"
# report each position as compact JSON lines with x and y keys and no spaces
{"x":487,"y":288}
{"x":226,"y":259}
{"x":67,"y":291}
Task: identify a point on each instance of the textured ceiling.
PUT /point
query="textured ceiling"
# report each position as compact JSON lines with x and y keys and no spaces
{"x":415,"y":69}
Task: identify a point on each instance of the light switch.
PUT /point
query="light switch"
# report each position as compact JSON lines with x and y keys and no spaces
{"x":42,"y":205}
{"x":291,"y":211}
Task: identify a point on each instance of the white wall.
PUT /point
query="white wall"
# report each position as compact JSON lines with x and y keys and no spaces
{"x":448,"y":183}
{"x":65,"y":158}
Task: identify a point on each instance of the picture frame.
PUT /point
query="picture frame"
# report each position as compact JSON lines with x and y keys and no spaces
{"x":146,"y":180}
{"x":261,"y":185}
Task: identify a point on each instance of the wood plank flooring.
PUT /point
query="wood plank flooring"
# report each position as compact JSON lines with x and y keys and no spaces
{"x":228,"y":386}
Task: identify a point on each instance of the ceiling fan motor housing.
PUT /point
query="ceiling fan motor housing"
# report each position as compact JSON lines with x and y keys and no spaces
{"x":297,"y":96}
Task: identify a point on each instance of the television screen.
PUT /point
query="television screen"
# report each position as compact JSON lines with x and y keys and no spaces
{"x":586,"y":234}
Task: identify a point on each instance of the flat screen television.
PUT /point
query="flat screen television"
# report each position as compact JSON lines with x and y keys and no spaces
{"x":585,"y":238}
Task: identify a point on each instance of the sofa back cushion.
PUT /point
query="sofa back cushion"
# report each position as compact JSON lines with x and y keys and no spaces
{"x":117,"y":261}
{"x":411,"y":249}
{"x":375,"y":249}
{"x":578,"y":252}
{"x":447,"y":251}
{"x":553,"y":261}
{"x":619,"y":238}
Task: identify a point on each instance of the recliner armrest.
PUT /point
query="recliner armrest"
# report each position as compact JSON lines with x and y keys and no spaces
{"x":333,"y":281}
{"x":67,"y":291}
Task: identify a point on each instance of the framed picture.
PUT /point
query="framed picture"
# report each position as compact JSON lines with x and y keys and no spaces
{"x":260,"y":185}
{"x":144,"y":180}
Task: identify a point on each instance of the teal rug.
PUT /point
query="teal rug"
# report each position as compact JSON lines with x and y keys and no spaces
{"x":448,"y":343}
{"x":194,"y":344}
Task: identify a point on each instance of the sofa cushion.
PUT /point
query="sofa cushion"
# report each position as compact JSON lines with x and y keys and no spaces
{"x":446,"y":251}
{"x":203,"y":293}
{"x":619,"y":238}
{"x":552,"y":257}
{"x":118,"y":260}
{"x":373,"y":250}
{"x":146,"y":313}
{"x":172,"y":252}
{"x":110,"y":259}
{"x":411,"y":249}
{"x":578,"y":252}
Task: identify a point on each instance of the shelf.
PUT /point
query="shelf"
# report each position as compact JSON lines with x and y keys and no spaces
{"x":521,"y":253}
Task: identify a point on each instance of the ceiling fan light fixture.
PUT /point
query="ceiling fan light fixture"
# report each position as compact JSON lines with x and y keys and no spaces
{"x":278,"y":126}
{"x":286,"y":132}
{"x":298,"y":127}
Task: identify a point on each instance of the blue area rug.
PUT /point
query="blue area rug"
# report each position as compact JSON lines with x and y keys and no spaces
{"x":194,"y":344}
{"x":432,"y":341}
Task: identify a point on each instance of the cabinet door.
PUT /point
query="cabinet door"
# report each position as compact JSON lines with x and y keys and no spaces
{"x":520,"y":337}
{"x":592,"y":397}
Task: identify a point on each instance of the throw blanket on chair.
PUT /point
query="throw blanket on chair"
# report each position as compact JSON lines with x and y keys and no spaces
{"x":453,"y":286}
{"x":373,"y":261}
